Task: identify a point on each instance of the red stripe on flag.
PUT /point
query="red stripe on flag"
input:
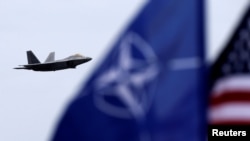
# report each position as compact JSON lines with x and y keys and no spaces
{"x":230,"y":96}
{"x":230,"y":122}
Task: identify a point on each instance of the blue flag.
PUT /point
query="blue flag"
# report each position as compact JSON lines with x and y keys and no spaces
{"x":150,"y":85}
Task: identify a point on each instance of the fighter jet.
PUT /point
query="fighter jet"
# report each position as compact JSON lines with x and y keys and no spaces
{"x":51,"y":64}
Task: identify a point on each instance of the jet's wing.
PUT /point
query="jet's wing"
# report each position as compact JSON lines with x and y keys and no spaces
{"x":51,"y":57}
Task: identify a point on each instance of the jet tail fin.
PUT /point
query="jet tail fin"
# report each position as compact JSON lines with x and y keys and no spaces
{"x":32,"y":58}
{"x":19,"y":68}
{"x":51,"y":57}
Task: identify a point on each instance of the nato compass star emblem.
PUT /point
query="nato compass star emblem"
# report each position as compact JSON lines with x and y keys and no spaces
{"x":127,"y":79}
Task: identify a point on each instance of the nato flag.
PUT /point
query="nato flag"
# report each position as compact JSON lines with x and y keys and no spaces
{"x":150,"y":86}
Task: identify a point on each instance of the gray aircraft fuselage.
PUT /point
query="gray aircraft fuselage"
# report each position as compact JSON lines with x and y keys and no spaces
{"x":52,"y":65}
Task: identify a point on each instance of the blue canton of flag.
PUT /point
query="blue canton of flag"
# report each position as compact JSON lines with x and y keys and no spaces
{"x":150,"y":85}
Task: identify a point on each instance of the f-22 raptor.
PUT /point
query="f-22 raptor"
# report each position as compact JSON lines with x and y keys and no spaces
{"x":51,"y":64}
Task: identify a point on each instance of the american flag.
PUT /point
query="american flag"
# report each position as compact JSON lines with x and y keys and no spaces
{"x":230,"y":79}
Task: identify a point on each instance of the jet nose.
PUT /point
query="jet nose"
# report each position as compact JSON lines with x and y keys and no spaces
{"x":88,"y":58}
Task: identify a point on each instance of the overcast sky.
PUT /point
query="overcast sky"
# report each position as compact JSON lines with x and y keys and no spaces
{"x":31,"y":102}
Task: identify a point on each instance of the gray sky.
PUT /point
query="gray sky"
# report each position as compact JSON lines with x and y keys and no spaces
{"x":31,"y":102}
